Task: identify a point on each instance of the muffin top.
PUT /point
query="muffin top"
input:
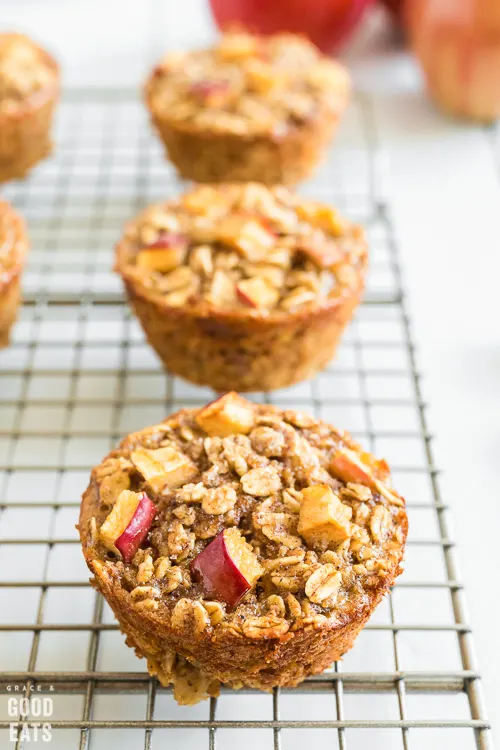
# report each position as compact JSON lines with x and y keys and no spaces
{"x":13,"y":243}
{"x":244,"y":249}
{"x":248,"y":85}
{"x":244,"y":517}
{"x":25,"y":69}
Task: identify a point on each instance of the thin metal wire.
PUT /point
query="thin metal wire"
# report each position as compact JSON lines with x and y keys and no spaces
{"x":69,"y":290}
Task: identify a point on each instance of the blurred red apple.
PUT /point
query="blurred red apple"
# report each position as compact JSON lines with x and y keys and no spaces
{"x":395,"y":7}
{"x":227,"y":568}
{"x":327,"y":23}
{"x":458,"y":47}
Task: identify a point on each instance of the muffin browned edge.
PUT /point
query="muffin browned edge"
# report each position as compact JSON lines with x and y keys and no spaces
{"x":205,"y":156}
{"x":10,"y":279}
{"x":232,"y":658}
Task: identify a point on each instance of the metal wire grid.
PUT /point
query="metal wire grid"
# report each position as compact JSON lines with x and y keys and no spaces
{"x":78,"y":375}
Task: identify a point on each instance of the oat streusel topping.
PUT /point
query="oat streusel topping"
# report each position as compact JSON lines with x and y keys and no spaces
{"x":246,"y":248}
{"x":24,"y":70}
{"x":310,"y":519}
{"x":248,"y":85}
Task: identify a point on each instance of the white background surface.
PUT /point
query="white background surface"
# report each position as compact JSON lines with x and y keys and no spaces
{"x":445,"y":189}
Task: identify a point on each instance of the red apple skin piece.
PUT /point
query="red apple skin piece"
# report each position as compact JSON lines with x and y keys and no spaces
{"x":131,"y":539}
{"x":348,"y":467}
{"x":167,"y":240}
{"x":219,"y":576}
{"x":210,"y":91}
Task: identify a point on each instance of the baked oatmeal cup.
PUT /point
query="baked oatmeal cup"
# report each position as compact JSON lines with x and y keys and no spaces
{"x":250,"y":108}
{"x":13,"y":249}
{"x":29,"y":90}
{"x":241,"y":544}
{"x":242,"y":286}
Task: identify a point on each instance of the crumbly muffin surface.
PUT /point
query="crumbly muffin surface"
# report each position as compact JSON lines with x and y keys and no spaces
{"x":244,"y":248}
{"x":24,"y":70}
{"x":265,"y":472}
{"x":248,"y":85}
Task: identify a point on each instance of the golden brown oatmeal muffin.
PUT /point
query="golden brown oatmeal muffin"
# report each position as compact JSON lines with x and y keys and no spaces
{"x":250,"y":108}
{"x":240,"y":543}
{"x":241,"y":286}
{"x":13,"y":249}
{"x":29,"y":90}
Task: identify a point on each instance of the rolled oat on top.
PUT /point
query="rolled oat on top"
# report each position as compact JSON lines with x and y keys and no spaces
{"x":29,"y":89}
{"x":250,"y":108}
{"x":241,"y":543}
{"x":242,"y":286}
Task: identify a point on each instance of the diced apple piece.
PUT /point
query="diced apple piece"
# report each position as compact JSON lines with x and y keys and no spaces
{"x":126,"y":527}
{"x":247,"y":235}
{"x":257,"y":292}
{"x":137,"y":530}
{"x":164,"y":468}
{"x":222,"y":290}
{"x":237,"y":46}
{"x":227,"y":568}
{"x":324,"y":216}
{"x":165,"y":254}
{"x":228,"y":415}
{"x":263,"y":77}
{"x":269,"y":272}
{"x":211,"y":93}
{"x":203,"y":199}
{"x":347,"y":466}
{"x":323,"y":517}
{"x":324,"y":253}
{"x":280,"y":256}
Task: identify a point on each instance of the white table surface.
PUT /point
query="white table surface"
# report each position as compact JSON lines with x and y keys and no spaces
{"x":444,"y":185}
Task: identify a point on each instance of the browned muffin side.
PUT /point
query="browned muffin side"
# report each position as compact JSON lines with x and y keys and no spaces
{"x":13,"y":249}
{"x":241,"y":286}
{"x":250,"y":108}
{"x":240,"y":543}
{"x":29,"y":90}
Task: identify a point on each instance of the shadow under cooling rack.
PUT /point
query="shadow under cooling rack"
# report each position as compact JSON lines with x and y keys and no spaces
{"x":79,"y":375}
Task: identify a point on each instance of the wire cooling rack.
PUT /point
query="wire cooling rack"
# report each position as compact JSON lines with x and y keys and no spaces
{"x":79,"y":375}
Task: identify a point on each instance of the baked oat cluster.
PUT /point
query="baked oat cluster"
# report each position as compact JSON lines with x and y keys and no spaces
{"x":248,"y":85}
{"x":241,"y":543}
{"x":244,"y":247}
